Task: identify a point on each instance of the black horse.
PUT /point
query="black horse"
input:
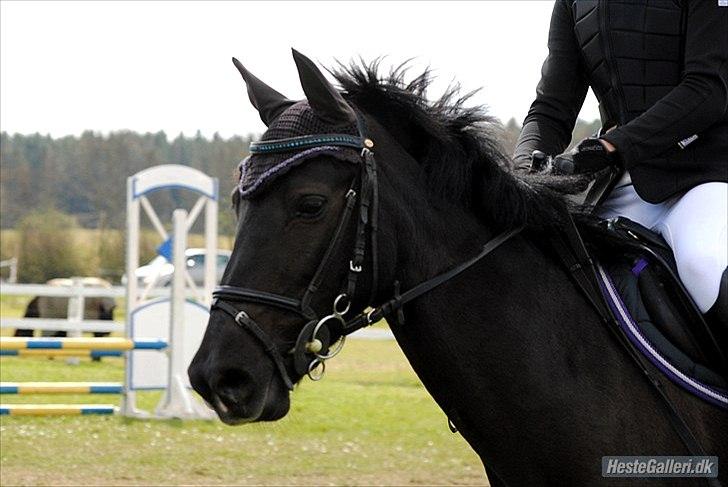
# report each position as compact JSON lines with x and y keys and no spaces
{"x":509,"y":348}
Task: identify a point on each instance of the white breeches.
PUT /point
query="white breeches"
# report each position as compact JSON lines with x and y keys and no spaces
{"x":695,"y":226}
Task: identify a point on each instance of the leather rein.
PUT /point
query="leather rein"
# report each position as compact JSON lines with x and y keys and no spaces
{"x":314,"y":345}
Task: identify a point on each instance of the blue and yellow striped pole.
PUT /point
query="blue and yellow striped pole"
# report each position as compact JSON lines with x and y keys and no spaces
{"x":55,"y":409}
{"x":59,"y":352}
{"x":61,"y":388}
{"x":96,"y":344}
{"x":75,"y":346}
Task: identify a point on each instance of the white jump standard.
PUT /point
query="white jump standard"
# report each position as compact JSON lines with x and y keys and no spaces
{"x":179,"y":320}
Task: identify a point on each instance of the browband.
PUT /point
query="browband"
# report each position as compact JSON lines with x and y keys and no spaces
{"x":305,"y":141}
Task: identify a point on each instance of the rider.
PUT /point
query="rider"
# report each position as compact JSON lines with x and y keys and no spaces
{"x":660,"y":73}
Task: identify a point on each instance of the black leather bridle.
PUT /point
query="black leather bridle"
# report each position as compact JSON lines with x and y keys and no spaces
{"x":313,"y":345}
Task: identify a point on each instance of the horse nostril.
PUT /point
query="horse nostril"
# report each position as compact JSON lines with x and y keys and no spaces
{"x":229,"y":398}
{"x":233,"y":387}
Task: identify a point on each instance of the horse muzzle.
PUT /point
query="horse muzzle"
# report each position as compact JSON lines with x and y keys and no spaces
{"x":238,"y":398}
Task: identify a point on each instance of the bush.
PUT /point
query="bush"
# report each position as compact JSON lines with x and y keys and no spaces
{"x":9,"y":244}
{"x":111,"y":254}
{"x":49,"y":249}
{"x":51,"y":244}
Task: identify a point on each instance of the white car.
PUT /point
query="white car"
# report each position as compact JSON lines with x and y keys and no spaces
{"x":160,"y":266}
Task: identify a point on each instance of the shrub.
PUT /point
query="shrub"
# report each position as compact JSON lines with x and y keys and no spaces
{"x":48,"y":248}
{"x":9,"y":244}
{"x":111,"y":254}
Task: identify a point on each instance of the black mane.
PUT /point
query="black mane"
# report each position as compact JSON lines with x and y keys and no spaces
{"x":460,"y":153}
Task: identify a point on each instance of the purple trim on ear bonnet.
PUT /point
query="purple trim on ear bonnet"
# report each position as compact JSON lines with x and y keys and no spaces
{"x":256,"y":171}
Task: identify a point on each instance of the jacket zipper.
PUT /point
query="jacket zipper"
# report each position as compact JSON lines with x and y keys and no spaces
{"x":603,"y":6}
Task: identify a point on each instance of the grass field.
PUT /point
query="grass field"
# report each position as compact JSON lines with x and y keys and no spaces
{"x":369,"y":421}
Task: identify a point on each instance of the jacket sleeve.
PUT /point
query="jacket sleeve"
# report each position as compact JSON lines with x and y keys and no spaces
{"x":696,"y":103}
{"x":559,"y":95}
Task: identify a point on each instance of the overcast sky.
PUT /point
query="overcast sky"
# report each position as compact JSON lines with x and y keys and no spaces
{"x":66,"y":67}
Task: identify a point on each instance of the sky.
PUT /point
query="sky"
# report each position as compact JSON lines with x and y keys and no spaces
{"x":66,"y":67}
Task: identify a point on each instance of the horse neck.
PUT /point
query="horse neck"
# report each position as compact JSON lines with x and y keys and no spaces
{"x":465,"y":338}
{"x":431,"y":235}
{"x":445,"y":237}
{"x":508,"y":339}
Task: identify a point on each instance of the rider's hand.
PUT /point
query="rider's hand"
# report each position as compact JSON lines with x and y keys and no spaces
{"x":590,"y":155}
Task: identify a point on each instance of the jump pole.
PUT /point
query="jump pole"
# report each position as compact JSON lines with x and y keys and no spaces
{"x":112,"y":343}
{"x":55,"y":409}
{"x":45,"y":352}
{"x":61,"y":387}
{"x":70,"y":347}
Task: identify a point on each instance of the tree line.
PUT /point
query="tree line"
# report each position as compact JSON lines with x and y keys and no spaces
{"x":85,"y":176}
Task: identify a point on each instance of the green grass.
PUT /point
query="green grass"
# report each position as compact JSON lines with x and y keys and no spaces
{"x":369,"y":421}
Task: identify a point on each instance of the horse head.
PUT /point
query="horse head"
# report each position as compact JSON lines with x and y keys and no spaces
{"x":306,"y":253}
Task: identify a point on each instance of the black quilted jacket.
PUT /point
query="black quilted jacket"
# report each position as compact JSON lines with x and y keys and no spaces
{"x":659,"y":69}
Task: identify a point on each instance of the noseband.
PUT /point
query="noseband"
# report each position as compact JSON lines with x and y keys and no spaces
{"x":313,"y":345}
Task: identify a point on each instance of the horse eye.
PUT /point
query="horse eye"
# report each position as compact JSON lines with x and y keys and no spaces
{"x":310,"y":206}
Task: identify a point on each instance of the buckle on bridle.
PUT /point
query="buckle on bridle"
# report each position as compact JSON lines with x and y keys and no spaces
{"x":337,"y":303}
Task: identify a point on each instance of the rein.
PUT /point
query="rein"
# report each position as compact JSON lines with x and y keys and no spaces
{"x":313,"y":346}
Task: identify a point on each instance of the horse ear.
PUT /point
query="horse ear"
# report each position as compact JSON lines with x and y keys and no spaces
{"x":265,"y":99}
{"x":325,"y":100}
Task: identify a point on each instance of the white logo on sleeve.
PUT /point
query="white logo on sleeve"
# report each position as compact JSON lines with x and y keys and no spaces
{"x":723,"y":3}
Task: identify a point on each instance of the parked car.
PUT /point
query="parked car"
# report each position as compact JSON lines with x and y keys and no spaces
{"x":160,"y":266}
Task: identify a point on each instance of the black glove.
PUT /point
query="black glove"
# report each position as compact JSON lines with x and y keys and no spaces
{"x":587,"y":157}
